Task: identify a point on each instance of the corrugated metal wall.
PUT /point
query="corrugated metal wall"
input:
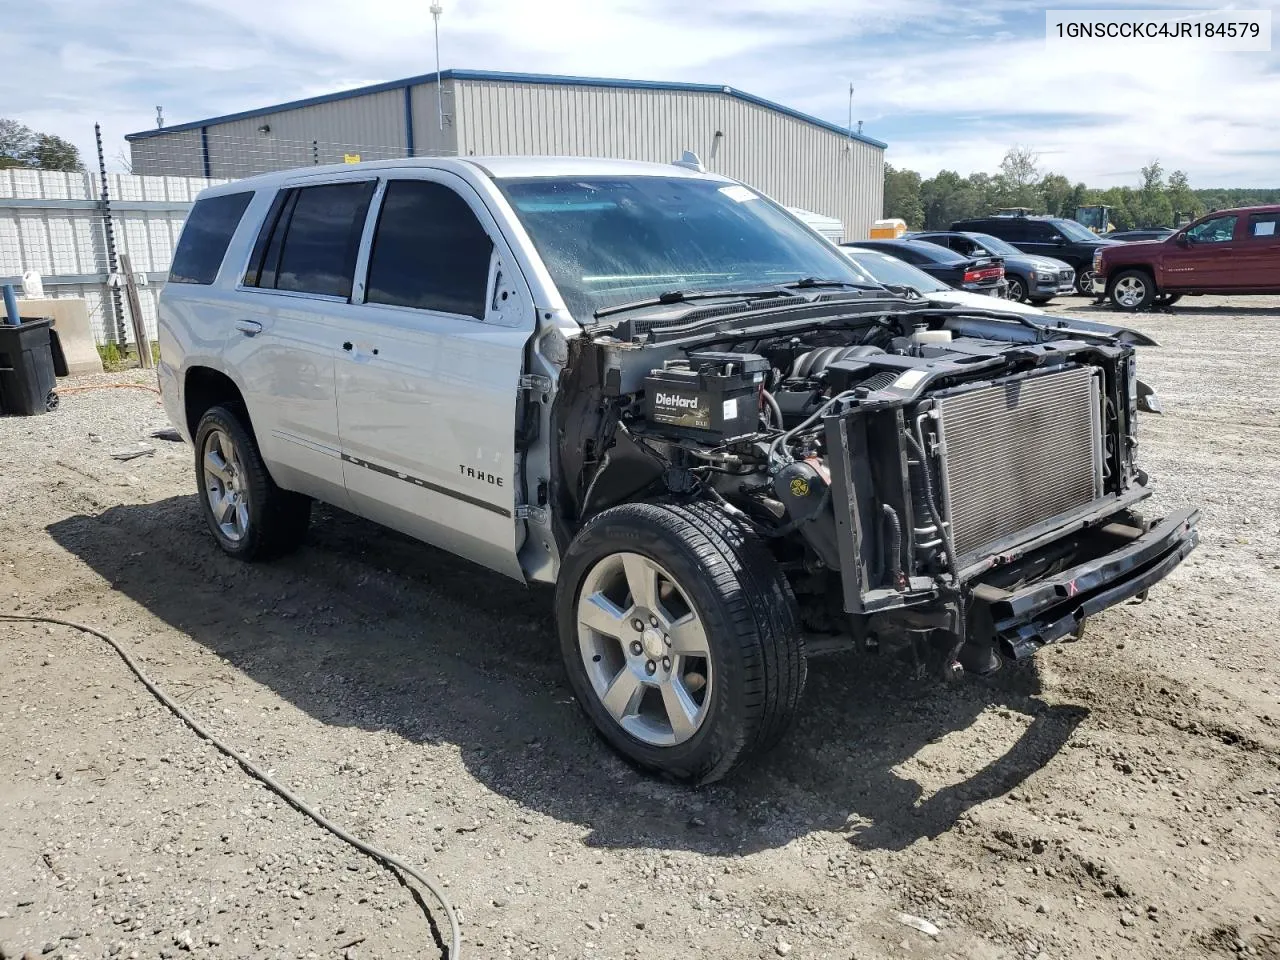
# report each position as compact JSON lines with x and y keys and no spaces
{"x":428,"y":139}
{"x":371,"y":126}
{"x":795,"y":162}
{"x":52,"y":223}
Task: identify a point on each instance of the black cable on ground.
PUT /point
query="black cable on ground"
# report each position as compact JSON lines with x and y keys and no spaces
{"x":385,"y":859}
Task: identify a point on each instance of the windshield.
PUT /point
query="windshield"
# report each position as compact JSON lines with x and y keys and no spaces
{"x":890,"y":271}
{"x":996,"y":245}
{"x":611,"y":240}
{"x":1075,"y":231}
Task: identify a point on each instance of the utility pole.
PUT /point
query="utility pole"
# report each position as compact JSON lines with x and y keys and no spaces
{"x":851,"y":111}
{"x":436,"y":10}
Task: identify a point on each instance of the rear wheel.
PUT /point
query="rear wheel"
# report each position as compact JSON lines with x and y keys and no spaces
{"x":1132,"y":290}
{"x":680,"y":637}
{"x":249,"y":516}
{"x":1017,"y":289}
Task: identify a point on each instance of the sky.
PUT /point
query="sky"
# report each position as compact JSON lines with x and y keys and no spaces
{"x":946,"y":85}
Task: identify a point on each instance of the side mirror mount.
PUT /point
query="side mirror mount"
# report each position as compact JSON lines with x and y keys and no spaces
{"x":1182,"y":239}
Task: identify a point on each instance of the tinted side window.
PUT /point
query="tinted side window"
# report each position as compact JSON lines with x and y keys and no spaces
{"x":429,"y":251}
{"x":1009,"y":228}
{"x":1037,"y":231}
{"x":317,"y":252}
{"x":1263,"y":224}
{"x":1215,"y":230}
{"x":205,"y":237}
{"x":905,"y":253}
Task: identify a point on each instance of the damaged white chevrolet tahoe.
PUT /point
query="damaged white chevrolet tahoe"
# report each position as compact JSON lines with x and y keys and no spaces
{"x":658,"y":390}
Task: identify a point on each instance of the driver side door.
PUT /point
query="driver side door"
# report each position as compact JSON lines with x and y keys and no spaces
{"x":429,"y":368}
{"x":1207,"y":259}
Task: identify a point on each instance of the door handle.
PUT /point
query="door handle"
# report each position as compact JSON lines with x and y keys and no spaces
{"x":249,"y":328}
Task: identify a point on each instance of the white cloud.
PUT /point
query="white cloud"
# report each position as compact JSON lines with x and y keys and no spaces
{"x":923,"y":70}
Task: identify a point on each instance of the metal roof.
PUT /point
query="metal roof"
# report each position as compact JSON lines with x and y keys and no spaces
{"x":500,"y":76}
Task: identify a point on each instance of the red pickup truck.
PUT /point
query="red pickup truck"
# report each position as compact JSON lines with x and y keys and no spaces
{"x":1227,"y":251}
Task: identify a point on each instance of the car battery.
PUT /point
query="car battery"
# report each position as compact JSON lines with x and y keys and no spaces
{"x":709,"y":396}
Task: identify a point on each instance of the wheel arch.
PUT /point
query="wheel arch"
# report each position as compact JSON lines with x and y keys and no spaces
{"x":1114,"y":273}
{"x":205,"y":387}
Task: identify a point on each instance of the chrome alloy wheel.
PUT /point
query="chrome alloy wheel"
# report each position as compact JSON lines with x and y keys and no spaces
{"x":1084,"y":281}
{"x":226,"y":485}
{"x":1130,"y":291}
{"x":645,"y":649}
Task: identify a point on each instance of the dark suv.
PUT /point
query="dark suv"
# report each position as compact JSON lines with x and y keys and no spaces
{"x":1053,"y":237}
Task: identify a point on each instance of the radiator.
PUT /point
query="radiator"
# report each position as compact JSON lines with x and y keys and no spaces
{"x":1018,"y":453}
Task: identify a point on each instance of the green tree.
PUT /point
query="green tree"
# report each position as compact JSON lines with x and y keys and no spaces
{"x":51,"y":152}
{"x":946,"y":198}
{"x":20,"y":146}
{"x":1185,"y":203}
{"x":1018,"y":178}
{"x":902,"y":196}
{"x":1056,"y":195}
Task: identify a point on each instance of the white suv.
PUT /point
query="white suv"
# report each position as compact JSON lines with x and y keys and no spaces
{"x":660,"y":391}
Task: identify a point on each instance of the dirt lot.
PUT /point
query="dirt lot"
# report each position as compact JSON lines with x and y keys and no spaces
{"x":1119,"y":799}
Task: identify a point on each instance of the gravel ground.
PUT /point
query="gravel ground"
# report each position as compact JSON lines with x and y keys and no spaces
{"x":1117,"y":799}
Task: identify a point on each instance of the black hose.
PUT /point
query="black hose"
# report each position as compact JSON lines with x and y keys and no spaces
{"x":931,"y":503}
{"x":894,"y":558}
{"x":916,"y":440}
{"x":772,"y":403}
{"x":810,"y":421}
{"x":251,"y":768}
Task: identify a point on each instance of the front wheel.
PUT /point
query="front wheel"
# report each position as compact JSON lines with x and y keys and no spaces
{"x":1132,"y":290}
{"x":1084,"y":281}
{"x":680,"y":637}
{"x":1017,"y":291}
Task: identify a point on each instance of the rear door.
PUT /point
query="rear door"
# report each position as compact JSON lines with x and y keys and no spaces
{"x":1258,"y":254}
{"x":292,"y":308}
{"x":1207,"y":260}
{"x":429,"y":370}
{"x":1041,"y":238}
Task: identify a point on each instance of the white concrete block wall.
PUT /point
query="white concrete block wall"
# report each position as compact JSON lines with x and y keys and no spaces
{"x":70,"y":241}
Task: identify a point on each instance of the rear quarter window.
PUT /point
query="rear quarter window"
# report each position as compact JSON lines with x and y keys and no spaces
{"x":205,"y":237}
{"x":1264,"y":225}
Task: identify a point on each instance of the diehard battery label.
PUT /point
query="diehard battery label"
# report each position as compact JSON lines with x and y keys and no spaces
{"x":680,"y":409}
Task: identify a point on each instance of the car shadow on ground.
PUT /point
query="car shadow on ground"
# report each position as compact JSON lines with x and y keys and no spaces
{"x":365,"y":628}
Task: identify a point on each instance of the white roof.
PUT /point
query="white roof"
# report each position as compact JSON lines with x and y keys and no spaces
{"x":497,"y":167}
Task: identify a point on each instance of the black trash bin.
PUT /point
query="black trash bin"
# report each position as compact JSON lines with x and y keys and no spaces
{"x":27,"y":379}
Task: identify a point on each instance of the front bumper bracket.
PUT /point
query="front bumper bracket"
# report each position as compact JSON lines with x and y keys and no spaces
{"x":1050,"y":609}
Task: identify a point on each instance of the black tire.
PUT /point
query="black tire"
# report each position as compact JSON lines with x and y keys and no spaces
{"x":277,"y":519}
{"x":1040,"y":301}
{"x":1017,"y":288}
{"x":749,"y":615}
{"x":1167,"y":299}
{"x":1131,"y":290}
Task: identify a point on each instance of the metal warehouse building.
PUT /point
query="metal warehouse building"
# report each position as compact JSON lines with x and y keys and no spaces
{"x":797,"y":159}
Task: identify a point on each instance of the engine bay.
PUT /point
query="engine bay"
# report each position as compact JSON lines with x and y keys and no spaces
{"x":892,"y":461}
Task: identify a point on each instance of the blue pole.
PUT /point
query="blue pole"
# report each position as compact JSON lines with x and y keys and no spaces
{"x":11,"y":306}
